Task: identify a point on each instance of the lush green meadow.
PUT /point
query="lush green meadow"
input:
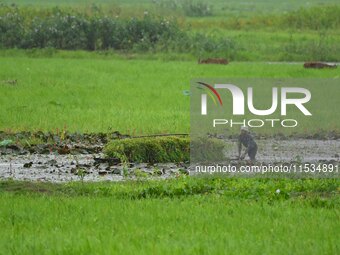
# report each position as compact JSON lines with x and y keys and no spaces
{"x":136,"y":80}
{"x":90,"y":92}
{"x":183,"y":216}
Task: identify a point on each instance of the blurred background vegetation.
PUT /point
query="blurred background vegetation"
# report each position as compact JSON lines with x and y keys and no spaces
{"x":243,"y":31}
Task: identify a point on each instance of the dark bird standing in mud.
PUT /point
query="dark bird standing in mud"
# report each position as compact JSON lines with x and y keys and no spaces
{"x":248,"y":142}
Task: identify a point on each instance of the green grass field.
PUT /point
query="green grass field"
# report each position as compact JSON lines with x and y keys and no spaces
{"x":210,"y":225}
{"x":138,"y":92}
{"x":191,"y":216}
{"x":88,"y":92}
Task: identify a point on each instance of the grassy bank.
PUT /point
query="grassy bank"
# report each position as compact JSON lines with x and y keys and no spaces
{"x":216,"y":216}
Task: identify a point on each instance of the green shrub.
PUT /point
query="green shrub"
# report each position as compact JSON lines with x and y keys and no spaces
{"x":150,"y":149}
{"x":69,"y":29}
{"x":11,"y":27}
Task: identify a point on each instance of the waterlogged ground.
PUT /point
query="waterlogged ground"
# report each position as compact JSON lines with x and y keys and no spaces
{"x":72,"y":164}
{"x":86,"y":167}
{"x":302,"y":150}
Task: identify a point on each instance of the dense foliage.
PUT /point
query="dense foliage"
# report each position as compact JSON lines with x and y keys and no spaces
{"x":69,"y":29}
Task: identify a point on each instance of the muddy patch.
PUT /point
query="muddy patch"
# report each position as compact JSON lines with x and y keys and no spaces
{"x":81,"y":167}
{"x":298,"y":158}
{"x":88,"y":165}
{"x":301,"y":150}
